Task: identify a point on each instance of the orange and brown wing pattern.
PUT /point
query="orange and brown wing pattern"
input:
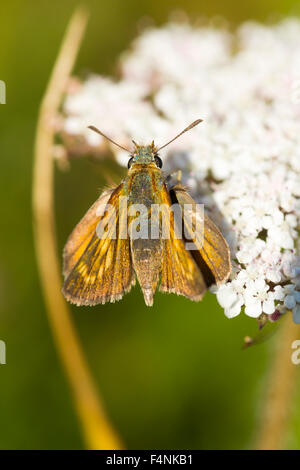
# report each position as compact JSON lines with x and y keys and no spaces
{"x":210,"y":243}
{"x":83,"y":233}
{"x":103,"y":272}
{"x":179,"y":272}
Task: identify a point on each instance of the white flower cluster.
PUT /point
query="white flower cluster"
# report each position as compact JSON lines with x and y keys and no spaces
{"x":243,"y":161}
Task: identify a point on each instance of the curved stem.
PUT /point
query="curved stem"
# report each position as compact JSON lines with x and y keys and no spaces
{"x":98,"y":431}
{"x":280,"y":393}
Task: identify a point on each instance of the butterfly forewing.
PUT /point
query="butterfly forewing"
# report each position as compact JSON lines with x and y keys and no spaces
{"x":103,"y":272}
{"x":179,"y":272}
{"x":83,"y":233}
{"x":210,"y":243}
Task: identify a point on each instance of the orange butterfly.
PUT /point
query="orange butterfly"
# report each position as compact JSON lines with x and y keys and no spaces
{"x":106,"y":252}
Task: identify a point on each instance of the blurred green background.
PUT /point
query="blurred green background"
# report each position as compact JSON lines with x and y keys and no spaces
{"x":174,"y":376}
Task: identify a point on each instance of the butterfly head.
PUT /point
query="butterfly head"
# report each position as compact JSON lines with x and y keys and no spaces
{"x":145,"y":154}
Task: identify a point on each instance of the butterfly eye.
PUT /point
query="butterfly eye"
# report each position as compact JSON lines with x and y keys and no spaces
{"x":130,"y":161}
{"x":158,"y":161}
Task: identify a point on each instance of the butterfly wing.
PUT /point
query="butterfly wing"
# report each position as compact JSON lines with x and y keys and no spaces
{"x":179,"y":271}
{"x":212,"y":254}
{"x":83,"y":233}
{"x":98,"y":270}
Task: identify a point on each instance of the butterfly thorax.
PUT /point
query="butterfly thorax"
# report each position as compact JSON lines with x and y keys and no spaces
{"x":144,"y":184}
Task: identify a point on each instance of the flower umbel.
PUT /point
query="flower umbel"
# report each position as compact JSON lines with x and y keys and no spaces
{"x":243,"y":163}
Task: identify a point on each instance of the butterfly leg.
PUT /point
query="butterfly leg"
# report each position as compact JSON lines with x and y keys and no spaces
{"x":174,"y":178}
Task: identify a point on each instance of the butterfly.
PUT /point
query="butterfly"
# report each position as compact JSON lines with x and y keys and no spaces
{"x":105,"y":254}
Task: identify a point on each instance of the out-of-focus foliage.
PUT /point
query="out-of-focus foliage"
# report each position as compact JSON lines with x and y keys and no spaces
{"x":172,"y":376}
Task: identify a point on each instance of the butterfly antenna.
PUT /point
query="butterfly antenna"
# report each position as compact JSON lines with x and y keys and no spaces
{"x":195,"y":123}
{"x":93,"y":128}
